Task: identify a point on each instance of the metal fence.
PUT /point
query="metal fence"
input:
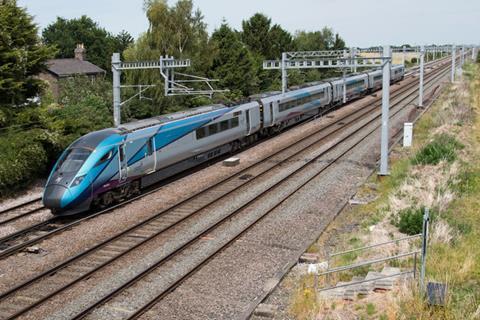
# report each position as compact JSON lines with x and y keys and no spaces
{"x":420,"y":252}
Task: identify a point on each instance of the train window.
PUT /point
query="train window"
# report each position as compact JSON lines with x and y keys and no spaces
{"x":201,"y":133}
{"x":236,"y":114}
{"x":212,"y":129}
{"x":122,"y":153}
{"x":105,"y":157}
{"x":224,"y":125}
{"x":74,"y":160}
{"x":234,"y":122}
{"x":354,"y":84}
{"x":150,"y":146}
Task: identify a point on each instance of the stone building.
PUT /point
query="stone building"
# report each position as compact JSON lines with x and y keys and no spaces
{"x":58,"y":69}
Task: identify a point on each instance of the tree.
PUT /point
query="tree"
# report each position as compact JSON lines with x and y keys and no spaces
{"x":66,"y":34}
{"x":280,"y":41}
{"x":318,"y":40}
{"x":233,"y":63}
{"x":339,"y":43}
{"x":123,"y":41}
{"x":264,"y":39}
{"x":255,"y":34}
{"x":22,"y":56}
{"x":177,"y":31}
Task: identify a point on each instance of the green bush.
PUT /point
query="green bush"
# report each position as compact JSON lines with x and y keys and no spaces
{"x":442,"y":148}
{"x":22,"y":159}
{"x":36,"y":135}
{"x":410,"y":221}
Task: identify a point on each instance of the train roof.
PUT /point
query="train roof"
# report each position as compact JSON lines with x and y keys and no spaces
{"x":91,"y":140}
{"x":141,"y":124}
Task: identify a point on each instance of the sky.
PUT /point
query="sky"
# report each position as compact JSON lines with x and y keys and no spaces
{"x":361,"y":23}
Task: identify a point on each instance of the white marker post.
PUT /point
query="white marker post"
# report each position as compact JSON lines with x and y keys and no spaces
{"x":407,"y":134}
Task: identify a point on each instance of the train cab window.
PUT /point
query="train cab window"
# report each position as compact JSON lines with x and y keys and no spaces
{"x":73,"y":160}
{"x":201,"y":133}
{"x":105,"y":157}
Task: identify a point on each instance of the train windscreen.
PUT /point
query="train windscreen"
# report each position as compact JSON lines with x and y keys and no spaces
{"x":73,"y":160}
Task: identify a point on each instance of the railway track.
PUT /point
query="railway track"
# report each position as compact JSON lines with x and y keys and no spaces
{"x":21,"y":210}
{"x":85,"y":264}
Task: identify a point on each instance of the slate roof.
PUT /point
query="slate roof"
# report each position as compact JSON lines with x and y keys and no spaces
{"x":71,"y":67}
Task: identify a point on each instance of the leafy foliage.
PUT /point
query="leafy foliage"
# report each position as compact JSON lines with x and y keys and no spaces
{"x":22,"y":56}
{"x":22,"y":158}
{"x":410,"y":221}
{"x":65,"y":34}
{"x":177,"y":31}
{"x":442,"y":148}
{"x":233,"y":64}
{"x":318,"y":40}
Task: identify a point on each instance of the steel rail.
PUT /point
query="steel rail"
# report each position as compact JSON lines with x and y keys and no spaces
{"x":20,"y":205}
{"x":21,"y":215}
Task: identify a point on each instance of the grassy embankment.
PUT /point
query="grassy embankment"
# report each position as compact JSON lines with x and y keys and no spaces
{"x":442,"y":172}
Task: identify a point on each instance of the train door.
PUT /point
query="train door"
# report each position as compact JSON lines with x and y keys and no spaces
{"x":150,"y":157}
{"x":122,"y":158}
{"x":247,"y":117}
{"x":271,"y":113}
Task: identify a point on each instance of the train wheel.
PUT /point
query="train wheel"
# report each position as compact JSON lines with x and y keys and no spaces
{"x":135,"y":188}
{"x":107,"y":199}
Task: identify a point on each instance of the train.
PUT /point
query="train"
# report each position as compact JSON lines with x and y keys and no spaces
{"x":107,"y":166}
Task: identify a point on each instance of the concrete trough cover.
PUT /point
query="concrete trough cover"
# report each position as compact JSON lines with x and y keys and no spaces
{"x":266,"y":310}
{"x":231,"y":162}
{"x":309,"y":258}
{"x":436,"y":293}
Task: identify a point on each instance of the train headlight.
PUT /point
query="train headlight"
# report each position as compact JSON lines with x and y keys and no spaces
{"x":77,"y":181}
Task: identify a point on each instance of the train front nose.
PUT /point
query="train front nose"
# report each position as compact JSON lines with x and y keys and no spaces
{"x":53,"y":195}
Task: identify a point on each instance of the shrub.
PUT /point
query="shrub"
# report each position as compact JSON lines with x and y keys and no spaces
{"x":410,"y":221}
{"x":22,"y":159}
{"x":443,"y":147}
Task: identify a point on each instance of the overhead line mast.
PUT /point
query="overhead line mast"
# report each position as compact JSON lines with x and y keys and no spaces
{"x":173,"y":86}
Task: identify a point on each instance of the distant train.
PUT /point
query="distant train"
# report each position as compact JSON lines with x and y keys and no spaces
{"x":107,"y":166}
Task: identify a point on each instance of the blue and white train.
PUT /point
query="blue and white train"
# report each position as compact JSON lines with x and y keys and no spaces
{"x":110,"y":165}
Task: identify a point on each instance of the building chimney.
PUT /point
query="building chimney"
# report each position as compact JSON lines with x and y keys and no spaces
{"x":80,"y":52}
